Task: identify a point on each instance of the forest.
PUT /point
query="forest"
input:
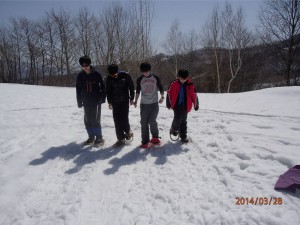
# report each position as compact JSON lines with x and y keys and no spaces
{"x":223,"y":55}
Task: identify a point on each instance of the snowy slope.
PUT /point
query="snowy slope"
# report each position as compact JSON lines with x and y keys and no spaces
{"x":241,"y":143}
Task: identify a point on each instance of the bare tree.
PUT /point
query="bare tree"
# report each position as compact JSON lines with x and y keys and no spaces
{"x":123,"y":36}
{"x":279,"y":30}
{"x":108,"y":46}
{"x":237,"y":37}
{"x":142,"y":16}
{"x":4,"y":56}
{"x":65,"y":28}
{"x":97,"y":43}
{"x":8,"y":52}
{"x":84,"y":25}
{"x":51,"y":46}
{"x":43,"y":47}
{"x":190,"y":44}
{"x":226,"y":35}
{"x":19,"y":45}
{"x":52,"y":41}
{"x":212,"y":38}
{"x":174,"y":44}
{"x":29,"y":38}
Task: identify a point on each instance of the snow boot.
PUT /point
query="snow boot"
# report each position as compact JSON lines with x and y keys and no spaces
{"x":155,"y":141}
{"x":99,"y":141}
{"x":120,"y":142}
{"x":185,"y":141}
{"x":145,"y":146}
{"x":129,"y":136}
{"x":174,"y":134}
{"x":89,"y":141}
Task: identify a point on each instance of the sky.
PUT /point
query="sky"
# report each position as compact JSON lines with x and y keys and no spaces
{"x":191,"y":14}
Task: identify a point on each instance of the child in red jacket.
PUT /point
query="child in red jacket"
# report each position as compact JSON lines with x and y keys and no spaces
{"x":181,"y":97}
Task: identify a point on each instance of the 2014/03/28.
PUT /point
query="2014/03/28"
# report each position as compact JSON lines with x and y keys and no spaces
{"x":258,"y":201}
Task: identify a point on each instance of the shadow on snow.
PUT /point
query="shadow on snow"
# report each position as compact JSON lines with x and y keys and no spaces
{"x":66,"y":152}
{"x":81,"y":155}
{"x":161,"y":153}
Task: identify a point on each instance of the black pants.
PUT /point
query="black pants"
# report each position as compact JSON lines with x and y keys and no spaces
{"x":120,"y":114}
{"x":149,"y":114}
{"x":180,"y":121}
{"x":92,"y":120}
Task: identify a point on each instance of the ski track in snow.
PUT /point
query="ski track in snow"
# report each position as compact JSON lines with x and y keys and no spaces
{"x":61,"y":182}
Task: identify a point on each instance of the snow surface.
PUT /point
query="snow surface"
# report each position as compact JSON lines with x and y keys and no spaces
{"x":240,"y":144}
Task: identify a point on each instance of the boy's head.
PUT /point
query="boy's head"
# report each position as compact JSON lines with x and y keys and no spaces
{"x":85,"y":61}
{"x":183,"y":74}
{"x":113,"y":69}
{"x":145,"y":69}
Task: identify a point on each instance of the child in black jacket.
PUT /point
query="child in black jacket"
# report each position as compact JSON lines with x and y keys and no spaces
{"x":90,"y":90}
{"x":120,"y":93}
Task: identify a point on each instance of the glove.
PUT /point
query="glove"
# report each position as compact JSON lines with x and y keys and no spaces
{"x":196,"y":108}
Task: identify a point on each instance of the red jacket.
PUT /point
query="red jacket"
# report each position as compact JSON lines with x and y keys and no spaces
{"x":174,"y":90}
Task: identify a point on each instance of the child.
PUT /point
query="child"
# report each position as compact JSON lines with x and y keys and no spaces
{"x":181,"y":96}
{"x":120,"y":93}
{"x":90,"y":92}
{"x":149,"y":84}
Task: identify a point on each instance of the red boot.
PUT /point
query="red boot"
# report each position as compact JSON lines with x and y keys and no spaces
{"x":145,"y":145}
{"x":155,"y":141}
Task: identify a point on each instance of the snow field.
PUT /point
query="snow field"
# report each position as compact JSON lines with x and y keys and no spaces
{"x":240,"y":144}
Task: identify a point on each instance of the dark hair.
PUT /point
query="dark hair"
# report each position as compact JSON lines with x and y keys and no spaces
{"x":113,"y":69}
{"x":183,"y":73}
{"x":145,"y":67}
{"x":85,"y":60}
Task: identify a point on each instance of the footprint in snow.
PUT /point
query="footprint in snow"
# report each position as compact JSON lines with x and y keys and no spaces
{"x":229,"y":138}
{"x":213,"y":145}
{"x":295,"y":128}
{"x":244,"y":166}
{"x":263,"y":127}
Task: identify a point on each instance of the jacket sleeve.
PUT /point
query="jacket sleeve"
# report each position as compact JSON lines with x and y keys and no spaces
{"x":159,"y":85}
{"x":168,"y":103}
{"x":78,"y":91}
{"x":196,"y":103}
{"x":196,"y":106}
{"x":131,"y":87}
{"x":138,"y":85}
{"x":103,"y":91}
{"x":108,"y":90}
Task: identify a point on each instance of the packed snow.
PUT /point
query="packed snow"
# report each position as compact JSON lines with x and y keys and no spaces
{"x":240,"y":145}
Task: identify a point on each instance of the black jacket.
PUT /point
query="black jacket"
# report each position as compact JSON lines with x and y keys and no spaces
{"x":120,"y":88}
{"x":90,"y":89}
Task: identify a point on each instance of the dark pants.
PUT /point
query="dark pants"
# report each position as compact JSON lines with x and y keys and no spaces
{"x":120,"y":114}
{"x":92,"y":120}
{"x":180,"y":121}
{"x":149,"y":114}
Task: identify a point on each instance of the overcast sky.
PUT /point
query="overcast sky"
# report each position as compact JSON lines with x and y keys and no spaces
{"x":191,"y":14}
